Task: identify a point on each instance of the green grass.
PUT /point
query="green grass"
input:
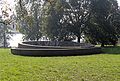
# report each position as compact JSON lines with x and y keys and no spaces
{"x":101,"y":67}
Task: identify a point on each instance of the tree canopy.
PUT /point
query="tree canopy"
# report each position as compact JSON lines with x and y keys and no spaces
{"x":29,"y":18}
{"x":64,"y":20}
{"x":101,"y":28}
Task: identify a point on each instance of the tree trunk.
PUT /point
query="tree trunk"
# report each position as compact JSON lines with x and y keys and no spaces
{"x":4,"y":44}
{"x":102,"y":45}
{"x":79,"y":39}
{"x":4,"y":37}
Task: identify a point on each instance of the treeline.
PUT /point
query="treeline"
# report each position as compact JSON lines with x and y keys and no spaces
{"x":98,"y":21}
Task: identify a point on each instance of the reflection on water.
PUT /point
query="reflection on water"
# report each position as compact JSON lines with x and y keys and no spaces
{"x":15,"y":39}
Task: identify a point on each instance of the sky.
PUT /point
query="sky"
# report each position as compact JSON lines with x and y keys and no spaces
{"x":119,"y":2}
{"x":5,"y":4}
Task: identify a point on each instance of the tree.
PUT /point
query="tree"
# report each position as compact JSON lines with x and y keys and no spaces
{"x":100,"y":27}
{"x":53,"y":25}
{"x":29,"y":18}
{"x":78,"y":14}
{"x":4,"y":22}
{"x":66,"y":19}
{"x":115,"y":20}
{"x":63,"y":20}
{"x":4,"y":29}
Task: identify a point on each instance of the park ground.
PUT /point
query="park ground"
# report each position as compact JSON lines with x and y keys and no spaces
{"x":98,"y":67}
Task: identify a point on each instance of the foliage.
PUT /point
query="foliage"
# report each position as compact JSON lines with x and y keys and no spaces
{"x":65,"y":20}
{"x":96,"y":20}
{"x":29,"y":18}
{"x":4,"y":30}
{"x":100,"y":27}
{"x":54,"y":26}
{"x":78,"y":14}
{"x":4,"y":24}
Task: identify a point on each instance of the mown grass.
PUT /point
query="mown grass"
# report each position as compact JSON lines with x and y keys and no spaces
{"x":101,"y":67}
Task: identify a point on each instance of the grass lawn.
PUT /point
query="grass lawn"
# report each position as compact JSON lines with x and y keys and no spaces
{"x":101,"y":67}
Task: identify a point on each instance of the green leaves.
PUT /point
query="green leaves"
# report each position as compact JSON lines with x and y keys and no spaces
{"x":97,"y":20}
{"x":29,"y":18}
{"x":102,"y":14}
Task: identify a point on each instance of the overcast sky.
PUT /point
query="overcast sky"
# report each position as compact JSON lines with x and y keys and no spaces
{"x":119,"y":2}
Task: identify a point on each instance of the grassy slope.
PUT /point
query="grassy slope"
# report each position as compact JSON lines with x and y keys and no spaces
{"x":102,"y":67}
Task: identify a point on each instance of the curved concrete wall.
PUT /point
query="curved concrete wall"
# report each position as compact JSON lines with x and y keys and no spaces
{"x":55,"y":52}
{"x":21,"y":45}
{"x":56,"y":43}
{"x":34,"y":49}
